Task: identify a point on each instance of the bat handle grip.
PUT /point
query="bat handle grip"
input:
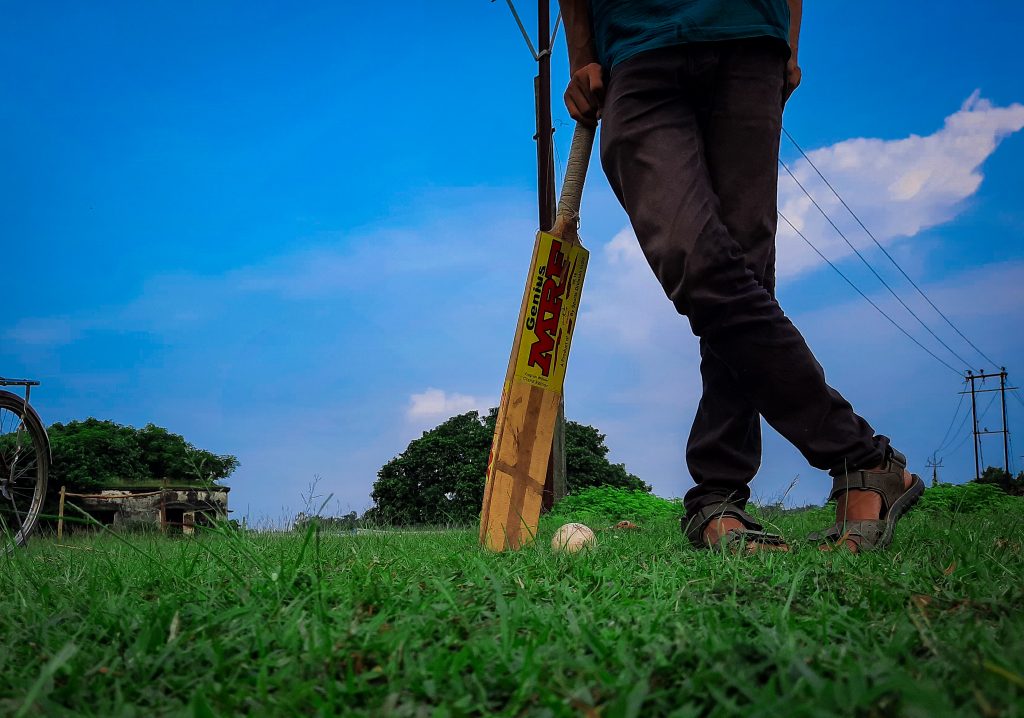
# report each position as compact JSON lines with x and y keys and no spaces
{"x":568,"y":214}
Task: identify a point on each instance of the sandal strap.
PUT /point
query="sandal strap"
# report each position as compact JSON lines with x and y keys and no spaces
{"x":705,"y":514}
{"x":868,"y":531}
{"x":888,"y":483}
{"x":695,"y":524}
{"x":760,"y":537}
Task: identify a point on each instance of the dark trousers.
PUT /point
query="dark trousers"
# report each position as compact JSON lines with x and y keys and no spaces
{"x":690,"y":144}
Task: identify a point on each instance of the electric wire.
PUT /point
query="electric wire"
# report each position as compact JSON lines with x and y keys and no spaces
{"x":867,"y":298}
{"x":971,"y":433}
{"x":967,"y":415}
{"x":868,"y":265}
{"x":956,"y":413}
{"x":885,"y":252}
{"x":1017,"y":396}
{"x":953,"y":449}
{"x":1012,"y":467}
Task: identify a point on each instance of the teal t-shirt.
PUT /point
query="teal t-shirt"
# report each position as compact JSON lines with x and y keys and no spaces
{"x":623,"y":28}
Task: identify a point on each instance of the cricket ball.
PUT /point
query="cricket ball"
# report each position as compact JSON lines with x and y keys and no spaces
{"x":572,"y":538}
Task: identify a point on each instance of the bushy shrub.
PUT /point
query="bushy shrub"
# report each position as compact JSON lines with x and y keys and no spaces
{"x":998,"y":477}
{"x":964,"y":498}
{"x":609,"y":503}
{"x":94,"y":454}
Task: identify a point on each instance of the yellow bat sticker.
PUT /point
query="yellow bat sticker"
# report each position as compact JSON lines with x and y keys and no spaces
{"x":557,"y":283}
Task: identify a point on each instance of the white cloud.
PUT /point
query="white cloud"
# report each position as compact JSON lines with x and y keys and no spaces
{"x":439,"y":404}
{"x":622,"y":300}
{"x":897,"y":187}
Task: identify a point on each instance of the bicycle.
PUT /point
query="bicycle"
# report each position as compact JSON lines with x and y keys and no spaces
{"x":24,"y":464}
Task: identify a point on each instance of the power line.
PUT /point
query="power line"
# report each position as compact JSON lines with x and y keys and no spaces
{"x":988,"y":406}
{"x":866,"y":297}
{"x":980,"y":417}
{"x":873,"y":270}
{"x":1017,"y":396}
{"x":952,"y":450}
{"x":956,"y":413}
{"x":963,"y":422}
{"x":885,"y":252}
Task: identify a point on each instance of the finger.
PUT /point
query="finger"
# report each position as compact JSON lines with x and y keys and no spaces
{"x":583,"y":104}
{"x":587,"y":91}
{"x":570,"y":104}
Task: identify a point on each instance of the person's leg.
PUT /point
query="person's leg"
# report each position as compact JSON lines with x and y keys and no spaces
{"x":652,"y":150}
{"x":724,"y":449}
{"x":742,"y":155}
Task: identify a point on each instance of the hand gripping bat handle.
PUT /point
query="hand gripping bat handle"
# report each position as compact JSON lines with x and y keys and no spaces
{"x":567,"y":217}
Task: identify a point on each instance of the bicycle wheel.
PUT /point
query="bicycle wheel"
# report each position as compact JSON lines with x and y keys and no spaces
{"x":24,"y":468}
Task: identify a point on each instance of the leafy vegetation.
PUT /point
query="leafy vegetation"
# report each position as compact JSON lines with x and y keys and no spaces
{"x":94,"y":454}
{"x":439,"y":478}
{"x":971,"y":497}
{"x":610,"y":503}
{"x":410,"y":624}
{"x":1001,"y":478}
{"x":304,"y":521}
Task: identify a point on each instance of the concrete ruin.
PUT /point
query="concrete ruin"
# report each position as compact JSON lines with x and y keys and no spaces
{"x":173,"y":509}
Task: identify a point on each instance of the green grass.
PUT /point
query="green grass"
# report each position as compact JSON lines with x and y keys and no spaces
{"x":430,"y":625}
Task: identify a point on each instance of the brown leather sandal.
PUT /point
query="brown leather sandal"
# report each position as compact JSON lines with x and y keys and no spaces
{"x":871,"y":535}
{"x":752,"y":532}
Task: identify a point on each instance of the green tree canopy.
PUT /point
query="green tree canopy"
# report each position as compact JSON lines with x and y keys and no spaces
{"x":440,"y":477}
{"x":999,"y":477}
{"x":587,"y":465}
{"x":93,"y":454}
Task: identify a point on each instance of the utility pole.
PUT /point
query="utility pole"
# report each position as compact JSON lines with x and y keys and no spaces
{"x":1005,"y":430}
{"x":934,"y":465}
{"x":974,"y":414}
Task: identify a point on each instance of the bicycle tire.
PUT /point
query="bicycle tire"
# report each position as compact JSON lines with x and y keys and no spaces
{"x":36,"y":476}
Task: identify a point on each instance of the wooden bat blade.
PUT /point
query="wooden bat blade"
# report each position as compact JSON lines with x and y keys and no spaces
{"x":521,"y":447}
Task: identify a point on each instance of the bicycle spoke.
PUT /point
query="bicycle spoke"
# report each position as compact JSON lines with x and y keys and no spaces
{"x":23,"y":469}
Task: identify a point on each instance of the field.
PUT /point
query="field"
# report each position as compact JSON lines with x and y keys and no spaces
{"x":427,"y":624}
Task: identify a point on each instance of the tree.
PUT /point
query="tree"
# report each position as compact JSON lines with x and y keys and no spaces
{"x":169,"y":456}
{"x":440,"y":477}
{"x":1002,"y":479}
{"x":91,"y":454}
{"x":94,"y":454}
{"x":586,"y":462}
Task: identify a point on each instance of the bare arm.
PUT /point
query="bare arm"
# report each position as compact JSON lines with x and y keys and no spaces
{"x":585,"y":93}
{"x":793,"y":73}
{"x":578,"y":35}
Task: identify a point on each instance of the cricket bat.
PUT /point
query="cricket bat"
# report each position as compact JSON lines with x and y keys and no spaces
{"x":517,"y":465}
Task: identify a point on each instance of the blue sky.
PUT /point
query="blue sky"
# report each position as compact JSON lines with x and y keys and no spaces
{"x":299,"y":235}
